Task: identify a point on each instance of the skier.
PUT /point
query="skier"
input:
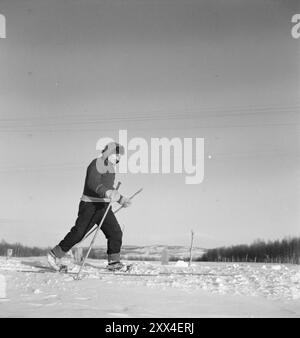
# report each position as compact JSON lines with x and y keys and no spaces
{"x":98,"y":192}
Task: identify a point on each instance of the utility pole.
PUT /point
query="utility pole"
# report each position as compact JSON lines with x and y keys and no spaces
{"x":191,"y":247}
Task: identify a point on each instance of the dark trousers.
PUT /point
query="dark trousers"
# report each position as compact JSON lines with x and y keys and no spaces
{"x":90,"y":214}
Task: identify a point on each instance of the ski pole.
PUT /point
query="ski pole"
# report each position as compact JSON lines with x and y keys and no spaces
{"x":191,"y":247}
{"x":121,"y":207}
{"x":131,"y":197}
{"x":97,"y":229}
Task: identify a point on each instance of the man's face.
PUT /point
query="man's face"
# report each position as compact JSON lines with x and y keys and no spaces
{"x":114,"y":159}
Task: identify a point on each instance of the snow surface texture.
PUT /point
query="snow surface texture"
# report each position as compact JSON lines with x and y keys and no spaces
{"x":27,"y":278}
{"x":271,"y":281}
{"x":2,"y":287}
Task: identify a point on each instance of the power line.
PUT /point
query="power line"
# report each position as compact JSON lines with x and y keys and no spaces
{"x":45,"y":124}
{"x":216,"y":155}
{"x":260,"y":125}
{"x":150,"y":116}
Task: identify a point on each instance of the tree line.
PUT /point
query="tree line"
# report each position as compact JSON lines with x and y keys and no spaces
{"x":20,"y":250}
{"x":279,"y":251}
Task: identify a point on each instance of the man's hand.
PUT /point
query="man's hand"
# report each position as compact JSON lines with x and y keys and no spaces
{"x":114,"y":195}
{"x":125,"y":202}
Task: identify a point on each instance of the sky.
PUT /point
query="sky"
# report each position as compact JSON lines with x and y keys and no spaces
{"x":72,"y":72}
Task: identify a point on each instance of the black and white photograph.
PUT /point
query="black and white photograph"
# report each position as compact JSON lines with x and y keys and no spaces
{"x":149,"y":161}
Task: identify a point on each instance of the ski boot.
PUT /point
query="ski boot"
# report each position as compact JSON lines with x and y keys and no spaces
{"x":118,"y":266}
{"x":54,"y":262}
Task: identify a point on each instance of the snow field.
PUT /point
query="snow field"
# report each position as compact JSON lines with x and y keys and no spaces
{"x":261,"y":280}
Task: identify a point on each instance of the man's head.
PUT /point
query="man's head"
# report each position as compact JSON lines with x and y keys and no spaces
{"x":113,"y":152}
{"x":114,"y":159}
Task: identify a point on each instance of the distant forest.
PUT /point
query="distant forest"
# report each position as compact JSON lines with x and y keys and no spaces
{"x":279,"y":251}
{"x":284,"y":251}
{"x":20,"y":250}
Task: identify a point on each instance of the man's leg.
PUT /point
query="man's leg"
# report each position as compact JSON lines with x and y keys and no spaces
{"x":88,"y":216}
{"x":113,"y":233}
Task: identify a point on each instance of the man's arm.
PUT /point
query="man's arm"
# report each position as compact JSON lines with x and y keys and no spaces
{"x":101,"y":190}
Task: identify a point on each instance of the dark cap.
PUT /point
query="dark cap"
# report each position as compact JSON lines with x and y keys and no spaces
{"x":113,"y":148}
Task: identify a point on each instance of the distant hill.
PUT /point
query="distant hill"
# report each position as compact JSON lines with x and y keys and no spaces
{"x":154,"y":252}
{"x":129,"y":252}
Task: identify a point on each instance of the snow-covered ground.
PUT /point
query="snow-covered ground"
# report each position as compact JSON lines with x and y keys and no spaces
{"x":151,"y":290}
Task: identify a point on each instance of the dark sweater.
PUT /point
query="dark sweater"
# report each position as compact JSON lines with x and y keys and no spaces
{"x":97,"y":183}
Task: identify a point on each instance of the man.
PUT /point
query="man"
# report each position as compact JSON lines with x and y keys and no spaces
{"x":97,"y":193}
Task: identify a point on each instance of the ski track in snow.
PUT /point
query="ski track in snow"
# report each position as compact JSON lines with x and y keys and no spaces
{"x":277,"y":282}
